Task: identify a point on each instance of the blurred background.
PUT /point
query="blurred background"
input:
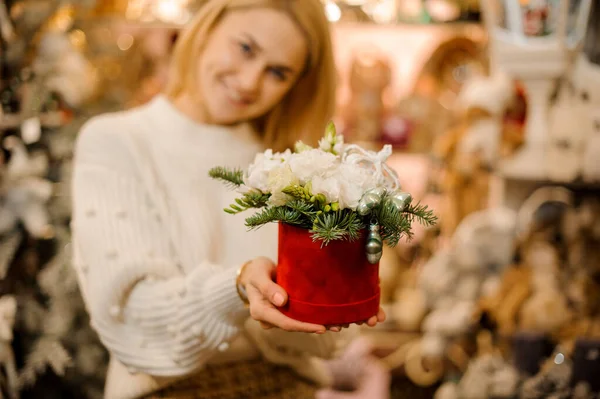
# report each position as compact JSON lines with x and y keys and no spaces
{"x":493,"y":110}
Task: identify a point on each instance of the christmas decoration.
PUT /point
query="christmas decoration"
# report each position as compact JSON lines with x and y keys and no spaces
{"x":523,"y":45}
{"x":336,"y":205}
{"x":334,"y":191}
{"x":48,"y":90}
{"x":469,"y":150}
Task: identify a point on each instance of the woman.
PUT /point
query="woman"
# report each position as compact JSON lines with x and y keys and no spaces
{"x":166,"y":274}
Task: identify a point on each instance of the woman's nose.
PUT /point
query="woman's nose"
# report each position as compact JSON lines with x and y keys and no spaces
{"x":249,"y":80}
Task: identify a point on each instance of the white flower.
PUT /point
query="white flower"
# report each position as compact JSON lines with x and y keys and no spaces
{"x":300,"y":146}
{"x":328,"y":186}
{"x":258,"y":172}
{"x":354,"y":182}
{"x":342,"y":179}
{"x":311,"y":163}
{"x":344,"y":184}
{"x":283,"y":156}
{"x":279,"y":178}
{"x":332,"y":143}
{"x":338,"y":147}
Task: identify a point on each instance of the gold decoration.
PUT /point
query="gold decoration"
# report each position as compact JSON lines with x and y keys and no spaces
{"x":171,"y":13}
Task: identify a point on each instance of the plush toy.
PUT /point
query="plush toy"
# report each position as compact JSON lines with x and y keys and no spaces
{"x":546,"y":309}
{"x":487,"y":376}
{"x":370,"y":75}
{"x":470,"y":149}
{"x":455,"y":278}
{"x":409,"y":304}
{"x":532,"y":295}
{"x":503,"y":306}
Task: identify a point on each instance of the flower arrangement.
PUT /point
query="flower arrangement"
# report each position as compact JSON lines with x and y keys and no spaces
{"x":335,"y":191}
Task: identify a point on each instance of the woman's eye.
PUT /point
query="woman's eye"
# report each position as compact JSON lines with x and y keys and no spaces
{"x":246,"y":48}
{"x":277,"y":73}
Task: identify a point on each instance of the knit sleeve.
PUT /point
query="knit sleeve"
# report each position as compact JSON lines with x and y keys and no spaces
{"x":150,"y":315}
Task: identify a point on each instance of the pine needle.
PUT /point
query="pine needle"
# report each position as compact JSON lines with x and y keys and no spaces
{"x":231,"y":177}
{"x":339,"y":225}
{"x":274,"y":214}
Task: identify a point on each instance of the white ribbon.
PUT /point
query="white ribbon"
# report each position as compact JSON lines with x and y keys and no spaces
{"x":354,"y":154}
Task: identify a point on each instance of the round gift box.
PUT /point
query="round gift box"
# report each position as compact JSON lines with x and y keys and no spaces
{"x":326,"y":284}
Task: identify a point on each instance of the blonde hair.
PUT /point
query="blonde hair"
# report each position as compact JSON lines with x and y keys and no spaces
{"x":307,"y":107}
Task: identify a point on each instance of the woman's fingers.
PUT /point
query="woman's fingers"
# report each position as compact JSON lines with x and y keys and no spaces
{"x":381,"y":315}
{"x":269,"y":314}
{"x":263,"y":310}
{"x":260,"y":276}
{"x":266,"y":296}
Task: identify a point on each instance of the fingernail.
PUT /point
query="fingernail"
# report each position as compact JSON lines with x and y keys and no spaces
{"x":335,"y":329}
{"x":278,"y":299}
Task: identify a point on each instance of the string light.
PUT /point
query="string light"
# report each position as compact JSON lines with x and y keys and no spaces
{"x":382,"y":12}
{"x":125,"y":41}
{"x":333,"y":11}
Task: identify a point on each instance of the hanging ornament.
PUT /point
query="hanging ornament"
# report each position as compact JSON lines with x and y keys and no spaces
{"x":374,"y":247}
{"x":401,"y":200}
{"x":368,"y":201}
{"x":378,"y":191}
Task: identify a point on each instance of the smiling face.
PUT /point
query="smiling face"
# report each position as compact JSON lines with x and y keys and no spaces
{"x":251,"y":60}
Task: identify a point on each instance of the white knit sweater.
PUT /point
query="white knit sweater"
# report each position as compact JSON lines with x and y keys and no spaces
{"x":155,"y":254}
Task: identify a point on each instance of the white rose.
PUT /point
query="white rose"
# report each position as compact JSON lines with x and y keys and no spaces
{"x":283,"y":156}
{"x":344,"y":184}
{"x":328,"y":186}
{"x":258,"y":172}
{"x":310,"y":163}
{"x":279,"y":178}
{"x":354,"y":181}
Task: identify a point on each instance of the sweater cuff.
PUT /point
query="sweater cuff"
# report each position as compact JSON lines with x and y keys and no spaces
{"x":219,"y":292}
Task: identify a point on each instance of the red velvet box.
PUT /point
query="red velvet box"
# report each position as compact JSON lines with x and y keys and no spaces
{"x":329,"y":284}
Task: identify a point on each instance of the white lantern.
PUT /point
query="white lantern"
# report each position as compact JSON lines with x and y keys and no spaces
{"x":533,"y":41}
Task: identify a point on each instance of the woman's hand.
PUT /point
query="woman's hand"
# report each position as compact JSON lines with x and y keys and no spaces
{"x":265,"y":296}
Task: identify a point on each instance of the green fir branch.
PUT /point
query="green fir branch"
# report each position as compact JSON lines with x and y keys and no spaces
{"x":232,"y":177}
{"x":253,"y":199}
{"x":340,"y":225}
{"x":395,"y":224}
{"x":325,"y":221}
{"x":306,"y":209}
{"x":420,"y":213}
{"x":392,"y":224}
{"x":275,"y":214}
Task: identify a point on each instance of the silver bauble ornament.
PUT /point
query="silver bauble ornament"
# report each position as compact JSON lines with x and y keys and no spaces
{"x":401,"y":200}
{"x":363,"y":209}
{"x":378,"y":191}
{"x":374,"y":246}
{"x":368,"y":202}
